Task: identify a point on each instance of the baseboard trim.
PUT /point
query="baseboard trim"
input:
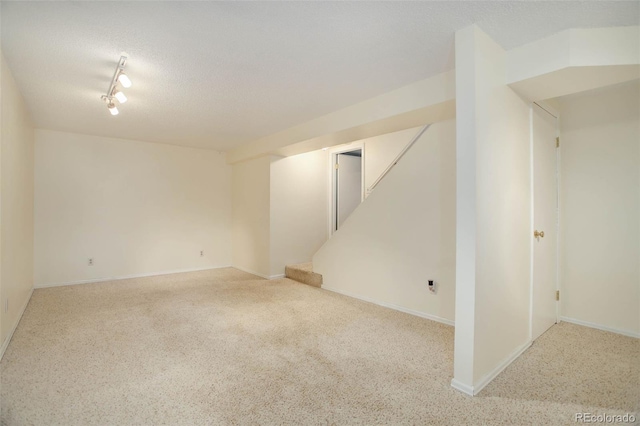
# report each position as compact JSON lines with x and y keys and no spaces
{"x":601,"y":327}
{"x":6,"y":342}
{"x":249,"y":271}
{"x":391,"y":306}
{"x":500,"y":368}
{"x":459,"y":386}
{"x":128,"y":277}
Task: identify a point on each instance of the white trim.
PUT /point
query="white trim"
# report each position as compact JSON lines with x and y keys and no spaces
{"x":466,"y":389}
{"x":333,"y":152}
{"x":329,"y":194}
{"x":395,"y":161}
{"x":500,"y":368}
{"x":532,"y":220}
{"x":476,"y":388}
{"x":601,"y":327}
{"x":127,"y":277}
{"x":6,"y":342}
{"x":548,"y":108}
{"x":266,"y":277}
{"x":249,"y":271}
{"x":559,"y":217}
{"x":394,"y":307}
{"x":557,"y":116}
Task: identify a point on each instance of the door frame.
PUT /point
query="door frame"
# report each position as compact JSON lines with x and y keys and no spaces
{"x":555,"y":113}
{"x":331,"y":193}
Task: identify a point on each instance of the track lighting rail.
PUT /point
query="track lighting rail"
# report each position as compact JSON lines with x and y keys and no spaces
{"x":113,"y":93}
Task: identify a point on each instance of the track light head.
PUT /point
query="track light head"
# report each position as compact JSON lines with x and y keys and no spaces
{"x":124,"y":80}
{"x":112,"y":108}
{"x":120,"y":96}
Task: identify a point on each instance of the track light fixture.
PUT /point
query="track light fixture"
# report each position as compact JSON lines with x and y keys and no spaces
{"x":112,"y":108}
{"x":114,"y":93}
{"x":124,"y":80}
{"x":120,"y":96}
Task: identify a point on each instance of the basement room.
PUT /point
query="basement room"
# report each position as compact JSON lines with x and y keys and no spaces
{"x":319,"y":213}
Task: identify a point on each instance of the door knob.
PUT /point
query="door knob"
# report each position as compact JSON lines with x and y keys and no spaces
{"x":538,"y":234}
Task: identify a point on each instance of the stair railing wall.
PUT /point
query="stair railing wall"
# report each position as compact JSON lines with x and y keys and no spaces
{"x":395,"y":161}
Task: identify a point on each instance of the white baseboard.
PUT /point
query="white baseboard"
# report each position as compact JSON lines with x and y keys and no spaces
{"x":477,"y":387}
{"x":127,"y":277}
{"x":462,"y":387}
{"x":601,"y":327}
{"x":474,"y":390}
{"x":249,"y":271}
{"x":391,"y":306}
{"x":266,"y":277}
{"x":6,"y":342}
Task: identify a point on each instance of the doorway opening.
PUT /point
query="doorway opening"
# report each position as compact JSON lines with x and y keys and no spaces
{"x":347,"y":184}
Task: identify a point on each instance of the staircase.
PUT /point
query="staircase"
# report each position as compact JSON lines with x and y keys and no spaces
{"x":304,"y":274}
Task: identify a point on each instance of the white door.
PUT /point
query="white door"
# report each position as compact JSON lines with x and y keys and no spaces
{"x":545,"y":213}
{"x":348,"y":185}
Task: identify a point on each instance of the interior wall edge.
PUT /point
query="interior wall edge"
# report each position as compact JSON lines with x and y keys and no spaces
{"x":93,"y":135}
{"x":628,"y":333}
{"x":250,"y":271}
{"x":7,"y":340}
{"x":459,"y":386}
{"x":16,"y":201}
{"x":484,"y":381}
{"x":128,"y":277}
{"x":392,"y":306}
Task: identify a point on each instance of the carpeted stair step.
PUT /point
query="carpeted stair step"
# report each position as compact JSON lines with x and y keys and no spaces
{"x":303,"y":273}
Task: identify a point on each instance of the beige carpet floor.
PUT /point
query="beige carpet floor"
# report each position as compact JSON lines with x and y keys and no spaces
{"x":224,"y":347}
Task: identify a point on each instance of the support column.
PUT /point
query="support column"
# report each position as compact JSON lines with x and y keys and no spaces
{"x":493,"y":214}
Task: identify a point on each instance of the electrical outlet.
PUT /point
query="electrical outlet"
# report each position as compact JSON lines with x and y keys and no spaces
{"x":201,"y":253}
{"x":432,"y":286}
{"x":91,"y":261}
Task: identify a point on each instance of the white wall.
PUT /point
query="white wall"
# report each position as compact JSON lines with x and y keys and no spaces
{"x":600,"y":207}
{"x":16,"y":204}
{"x":134,"y":207}
{"x":298,"y":191}
{"x":381,"y":150}
{"x":403,"y":234}
{"x":298,"y":208}
{"x":493,"y":214}
{"x":574,"y":60}
{"x":251,"y":216}
{"x":503,"y":250}
{"x":424,"y":101}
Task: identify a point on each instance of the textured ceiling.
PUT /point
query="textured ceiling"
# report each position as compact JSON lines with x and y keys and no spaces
{"x":219,"y":74}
